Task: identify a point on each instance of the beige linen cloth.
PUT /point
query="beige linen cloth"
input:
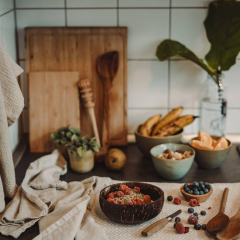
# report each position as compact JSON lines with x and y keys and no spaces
{"x":62,"y":209}
{"x":11,"y":105}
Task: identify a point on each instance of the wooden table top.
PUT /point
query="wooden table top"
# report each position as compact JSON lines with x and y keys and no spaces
{"x":137,"y":168}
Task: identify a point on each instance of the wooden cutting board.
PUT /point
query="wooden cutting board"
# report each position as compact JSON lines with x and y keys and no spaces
{"x":54,"y":103}
{"x":76,"y":49}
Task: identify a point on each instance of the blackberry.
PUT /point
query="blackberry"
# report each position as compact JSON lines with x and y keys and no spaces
{"x":177,"y":219}
{"x":174,"y":226}
{"x":190,"y":210}
{"x":204,"y":226}
{"x":169,"y":198}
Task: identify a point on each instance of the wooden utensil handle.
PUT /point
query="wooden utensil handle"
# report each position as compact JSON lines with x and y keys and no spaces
{"x":94,"y":124}
{"x":224,"y":200}
{"x":154,"y":227}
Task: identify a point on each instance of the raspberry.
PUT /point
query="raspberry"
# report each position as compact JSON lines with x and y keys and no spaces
{"x":137,"y":189}
{"x":192,"y":220}
{"x":110,"y":195}
{"x":119,"y":202}
{"x":128,"y":191}
{"x":120,"y":194}
{"x":129,"y":202}
{"x":123,"y":187}
{"x":186,"y":229}
{"x":177,"y":201}
{"x":139,"y":202}
{"x":134,"y":201}
{"x":147,"y":199}
{"x":180,"y":228}
{"x":111,"y":200}
{"x":194,"y":203}
{"x":114,"y":194}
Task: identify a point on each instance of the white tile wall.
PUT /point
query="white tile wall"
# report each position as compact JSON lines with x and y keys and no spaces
{"x":91,"y":3}
{"x":37,"y":18}
{"x":92,"y":17}
{"x":40,"y":3}
{"x":144,"y":3}
{"x":5,"y":6}
{"x":147,"y":84}
{"x":153,"y":86}
{"x":190,"y":32}
{"x":146,"y":29}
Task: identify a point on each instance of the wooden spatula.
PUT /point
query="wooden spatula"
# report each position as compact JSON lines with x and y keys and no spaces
{"x":233,"y":229}
{"x":107,"y":67}
{"x":158,"y":225}
{"x":221,"y":220}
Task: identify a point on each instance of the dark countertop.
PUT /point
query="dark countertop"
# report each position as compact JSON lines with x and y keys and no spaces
{"x":137,"y":168}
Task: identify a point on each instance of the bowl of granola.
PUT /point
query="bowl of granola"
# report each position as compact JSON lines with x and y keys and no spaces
{"x":172,"y":161}
{"x":131,"y":202}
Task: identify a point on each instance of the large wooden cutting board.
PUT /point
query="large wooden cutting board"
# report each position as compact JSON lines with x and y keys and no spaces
{"x":76,"y":49}
{"x":54,"y":103}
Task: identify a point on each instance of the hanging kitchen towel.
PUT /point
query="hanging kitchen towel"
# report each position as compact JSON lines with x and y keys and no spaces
{"x":63,"y":208}
{"x":11,"y":105}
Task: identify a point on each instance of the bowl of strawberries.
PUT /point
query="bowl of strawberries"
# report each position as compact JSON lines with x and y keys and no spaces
{"x":131,"y":202}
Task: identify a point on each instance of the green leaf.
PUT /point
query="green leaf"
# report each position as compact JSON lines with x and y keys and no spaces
{"x":69,"y":134}
{"x":74,"y":138}
{"x":169,"y":48}
{"x":68,"y":144}
{"x":54,"y":135}
{"x":73,"y":130}
{"x":223,"y":31}
{"x":95,"y":148}
{"x":81,"y":151}
{"x":78,"y":131}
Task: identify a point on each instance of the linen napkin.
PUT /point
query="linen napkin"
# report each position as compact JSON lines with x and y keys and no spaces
{"x":11,"y":105}
{"x":62,"y":209}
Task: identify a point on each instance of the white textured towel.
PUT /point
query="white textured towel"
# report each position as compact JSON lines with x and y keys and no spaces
{"x":11,"y":105}
{"x":68,"y":211}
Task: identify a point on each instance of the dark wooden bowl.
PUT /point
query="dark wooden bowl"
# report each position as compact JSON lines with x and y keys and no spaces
{"x":200,"y":198}
{"x":132,"y":214}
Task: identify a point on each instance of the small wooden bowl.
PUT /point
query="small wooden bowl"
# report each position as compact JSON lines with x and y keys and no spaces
{"x":132,"y":214}
{"x":200,"y":198}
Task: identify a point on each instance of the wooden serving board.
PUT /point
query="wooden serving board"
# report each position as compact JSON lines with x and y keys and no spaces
{"x":54,"y":103}
{"x":76,"y":49}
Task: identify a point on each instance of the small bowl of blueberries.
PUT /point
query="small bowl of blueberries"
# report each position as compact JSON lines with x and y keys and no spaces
{"x":196,"y":190}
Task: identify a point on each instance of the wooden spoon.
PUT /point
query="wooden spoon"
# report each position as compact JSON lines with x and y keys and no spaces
{"x":107,"y":67}
{"x":232,"y":230}
{"x":220,"y":221}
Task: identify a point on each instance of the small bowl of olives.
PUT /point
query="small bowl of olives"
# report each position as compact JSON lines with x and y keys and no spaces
{"x":196,"y":190}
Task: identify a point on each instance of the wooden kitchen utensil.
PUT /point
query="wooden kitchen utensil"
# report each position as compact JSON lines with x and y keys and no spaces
{"x":87,"y":95}
{"x":233,"y":229}
{"x":220,"y":221}
{"x":107,"y":67}
{"x":51,"y":49}
{"x":158,"y":225}
{"x":54,"y":103}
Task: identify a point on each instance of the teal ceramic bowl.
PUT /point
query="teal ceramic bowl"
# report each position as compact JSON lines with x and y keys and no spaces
{"x":145,"y":144}
{"x":211,"y":159}
{"x":172,"y":169}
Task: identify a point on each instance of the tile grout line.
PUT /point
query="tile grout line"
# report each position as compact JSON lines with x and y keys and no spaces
{"x":117,"y":13}
{"x":169,"y":61}
{"x":65,"y":10}
{"x":16,"y":31}
{"x":7,"y":12}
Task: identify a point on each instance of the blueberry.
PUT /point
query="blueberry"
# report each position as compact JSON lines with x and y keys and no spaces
{"x":185,"y":186}
{"x":197,"y":226}
{"x":209,"y":186}
{"x":201,"y":192}
{"x":200,"y":183}
{"x":177,"y":219}
{"x":203,"y":213}
{"x":174,"y":226}
{"x":202,"y":186}
{"x":196,"y":193}
{"x":191,"y":192}
{"x":190,"y":210}
{"x":195,"y":189}
{"x":186,"y":189}
{"x":206,"y":184}
{"x":195,"y":184}
{"x":204,"y":226}
{"x":169,"y":198}
{"x":195,"y":214}
{"x":205,"y":190}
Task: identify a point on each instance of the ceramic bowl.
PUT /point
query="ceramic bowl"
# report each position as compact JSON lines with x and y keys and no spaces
{"x":172,"y":169}
{"x":200,"y":198}
{"x":145,"y":144}
{"x":132,"y":214}
{"x":211,"y":159}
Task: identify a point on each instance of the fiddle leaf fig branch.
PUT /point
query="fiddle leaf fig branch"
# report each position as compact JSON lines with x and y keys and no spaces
{"x":223,"y":31}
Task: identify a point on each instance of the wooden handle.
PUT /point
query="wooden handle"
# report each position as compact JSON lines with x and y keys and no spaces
{"x":154,"y":227}
{"x":94,"y":124}
{"x":224,"y":200}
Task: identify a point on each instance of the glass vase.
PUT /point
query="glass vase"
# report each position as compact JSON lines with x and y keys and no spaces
{"x":214,"y":106}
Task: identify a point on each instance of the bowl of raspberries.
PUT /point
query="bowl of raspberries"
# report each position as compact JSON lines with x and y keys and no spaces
{"x":131,"y":202}
{"x":200,"y":191}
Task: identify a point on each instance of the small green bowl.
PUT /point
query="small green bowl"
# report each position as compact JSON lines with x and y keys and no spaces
{"x":145,"y":144}
{"x":211,"y":159}
{"x":172,"y":169}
